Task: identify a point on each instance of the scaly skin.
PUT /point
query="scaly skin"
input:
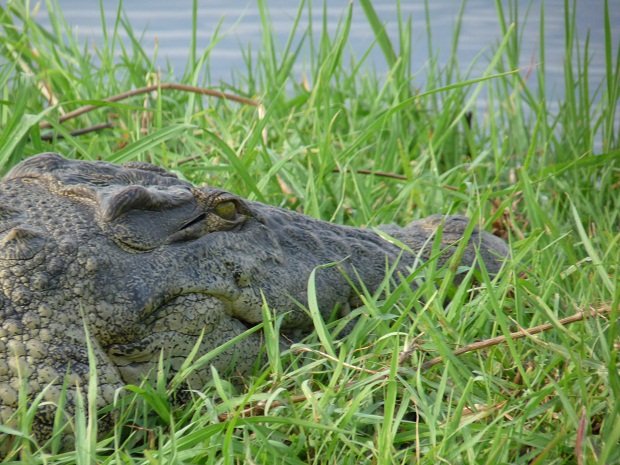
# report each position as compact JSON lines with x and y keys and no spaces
{"x":147,"y":262}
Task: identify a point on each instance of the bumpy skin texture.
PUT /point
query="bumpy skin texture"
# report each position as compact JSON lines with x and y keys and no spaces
{"x":147,"y":262}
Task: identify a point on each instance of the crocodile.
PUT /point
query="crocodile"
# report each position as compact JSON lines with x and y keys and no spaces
{"x":129,"y":263}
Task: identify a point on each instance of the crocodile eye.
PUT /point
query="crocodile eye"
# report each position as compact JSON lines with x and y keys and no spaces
{"x":226,"y":210}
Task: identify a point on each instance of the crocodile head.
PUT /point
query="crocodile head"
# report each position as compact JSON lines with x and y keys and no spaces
{"x":144,"y":265}
{"x":139,"y":259}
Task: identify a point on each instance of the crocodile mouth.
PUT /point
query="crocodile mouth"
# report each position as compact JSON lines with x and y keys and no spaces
{"x":171,"y":330}
{"x":201,"y":304}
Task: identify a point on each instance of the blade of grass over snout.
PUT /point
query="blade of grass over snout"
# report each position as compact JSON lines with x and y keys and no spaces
{"x":206,"y":358}
{"x":86,"y":409}
{"x":21,"y":438}
{"x":315,"y":312}
{"x":271,"y":326}
{"x":158,"y":403}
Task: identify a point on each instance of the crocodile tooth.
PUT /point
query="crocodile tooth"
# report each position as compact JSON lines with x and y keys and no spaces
{"x":21,"y":243}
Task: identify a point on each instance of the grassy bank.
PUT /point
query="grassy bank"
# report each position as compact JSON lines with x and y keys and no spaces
{"x":345,"y":146}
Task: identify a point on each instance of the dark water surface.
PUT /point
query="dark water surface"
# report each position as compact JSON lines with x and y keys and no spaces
{"x":166,"y":26}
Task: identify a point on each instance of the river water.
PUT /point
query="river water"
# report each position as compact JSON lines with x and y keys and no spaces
{"x":165,"y":26}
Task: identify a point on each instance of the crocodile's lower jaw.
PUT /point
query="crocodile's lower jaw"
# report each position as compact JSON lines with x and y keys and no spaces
{"x":179,"y":326}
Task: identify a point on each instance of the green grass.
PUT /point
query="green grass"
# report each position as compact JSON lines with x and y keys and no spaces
{"x":522,"y":169}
